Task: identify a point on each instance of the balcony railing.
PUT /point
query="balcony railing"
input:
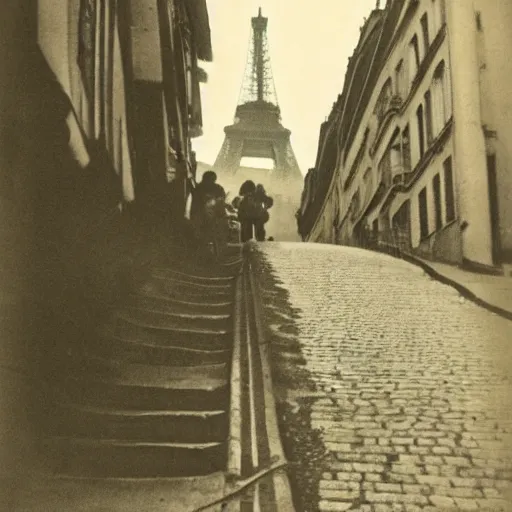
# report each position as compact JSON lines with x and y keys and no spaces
{"x":400,"y":174}
{"x":386,"y":174}
{"x":397,"y":238}
{"x":395,"y":101}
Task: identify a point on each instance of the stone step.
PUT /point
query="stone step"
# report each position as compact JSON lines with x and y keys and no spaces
{"x":183,"y":426}
{"x":216,"y":339}
{"x":194,"y":276}
{"x":153,"y":353}
{"x":158,"y":375}
{"x":196,"y":394}
{"x":115,"y":458}
{"x":63,"y":493}
{"x":168,"y":320}
{"x":185,"y":291}
{"x":223,"y":282}
{"x":166,"y":303}
{"x":228,"y":268}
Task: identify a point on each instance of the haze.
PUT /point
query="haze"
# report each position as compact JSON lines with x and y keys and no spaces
{"x":309,"y":42}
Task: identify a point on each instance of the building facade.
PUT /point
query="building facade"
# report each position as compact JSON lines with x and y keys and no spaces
{"x":131,"y":76}
{"x":98,"y":102}
{"x":419,"y":155}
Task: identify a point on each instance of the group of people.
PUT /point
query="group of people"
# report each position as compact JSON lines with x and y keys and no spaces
{"x":251,"y":204}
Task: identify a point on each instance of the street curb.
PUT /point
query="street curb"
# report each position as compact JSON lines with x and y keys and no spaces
{"x":234,"y":465}
{"x":434,"y":274}
{"x":274,"y":438}
{"x":282,"y":488}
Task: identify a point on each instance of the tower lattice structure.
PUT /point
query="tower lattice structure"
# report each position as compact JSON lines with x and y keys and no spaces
{"x":257,"y":130}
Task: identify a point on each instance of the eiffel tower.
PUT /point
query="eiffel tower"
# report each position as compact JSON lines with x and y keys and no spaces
{"x":257,"y":130}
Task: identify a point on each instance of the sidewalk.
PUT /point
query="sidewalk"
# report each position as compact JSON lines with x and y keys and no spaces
{"x":491,"y":292}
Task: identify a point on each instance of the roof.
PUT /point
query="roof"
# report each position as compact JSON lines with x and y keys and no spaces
{"x":380,"y":48}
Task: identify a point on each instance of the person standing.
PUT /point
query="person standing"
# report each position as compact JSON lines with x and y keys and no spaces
{"x":252,"y":211}
{"x":247,"y":209}
{"x":266,"y":203}
{"x":208,"y":204}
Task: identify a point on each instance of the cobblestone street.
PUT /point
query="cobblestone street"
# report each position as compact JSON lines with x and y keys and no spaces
{"x":407,"y":382}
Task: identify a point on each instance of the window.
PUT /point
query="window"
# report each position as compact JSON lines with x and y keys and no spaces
{"x":448,"y":190}
{"x":355,"y":204}
{"x":440,"y":97}
{"x":437,"y":100}
{"x":399,"y":79}
{"x":367,"y":175}
{"x":406,"y":149}
{"x":424,"y":29}
{"x":401,"y":218}
{"x":478,"y":18}
{"x":423,"y":211}
{"x":385,"y":169}
{"x":437,"y":201}
{"x":367,"y":184}
{"x":494,"y":208}
{"x":189,"y":80}
{"x":421,"y":130}
{"x":395,"y":154}
{"x":416,"y":51}
{"x":428,"y":116}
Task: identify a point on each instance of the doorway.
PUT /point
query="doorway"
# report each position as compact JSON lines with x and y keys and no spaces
{"x":494,"y":209}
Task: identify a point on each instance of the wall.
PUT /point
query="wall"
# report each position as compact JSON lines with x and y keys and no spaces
{"x":58,"y":39}
{"x":426,"y":180}
{"x":120,"y":144}
{"x":147,"y":64}
{"x":470,"y":154}
{"x":496,"y":88}
{"x":444,"y":245}
{"x":446,"y":242}
{"x":407,"y":114}
{"x":149,"y":140}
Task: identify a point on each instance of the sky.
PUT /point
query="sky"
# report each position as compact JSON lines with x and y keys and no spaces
{"x":309,"y":43}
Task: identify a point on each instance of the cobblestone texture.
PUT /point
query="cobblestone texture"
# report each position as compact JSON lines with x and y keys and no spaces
{"x":408,"y":382}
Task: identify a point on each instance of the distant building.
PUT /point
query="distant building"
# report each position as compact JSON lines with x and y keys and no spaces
{"x":417,"y":150}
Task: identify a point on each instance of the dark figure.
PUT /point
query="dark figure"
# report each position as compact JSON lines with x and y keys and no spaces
{"x":267,"y":203}
{"x":245,"y":205}
{"x":207,"y":189}
{"x":208,"y":206}
{"x":252,"y":211}
{"x":248,"y":187}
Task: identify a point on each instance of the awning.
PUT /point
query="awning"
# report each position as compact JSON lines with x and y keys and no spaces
{"x":200,"y":22}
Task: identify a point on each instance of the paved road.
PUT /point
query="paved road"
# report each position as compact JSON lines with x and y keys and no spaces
{"x":411,"y":383}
